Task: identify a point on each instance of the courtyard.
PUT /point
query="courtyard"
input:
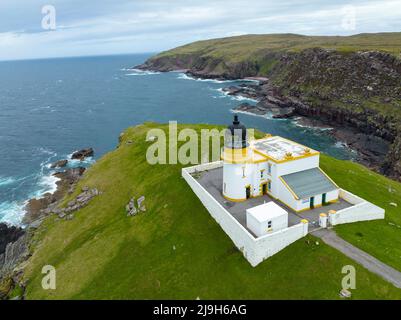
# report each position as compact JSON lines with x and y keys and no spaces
{"x":212,"y":181}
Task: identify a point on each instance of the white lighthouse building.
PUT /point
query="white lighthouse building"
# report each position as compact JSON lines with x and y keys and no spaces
{"x":274,"y":166}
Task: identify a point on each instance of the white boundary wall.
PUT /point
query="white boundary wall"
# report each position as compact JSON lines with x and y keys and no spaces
{"x":361,"y":210}
{"x":255,"y":250}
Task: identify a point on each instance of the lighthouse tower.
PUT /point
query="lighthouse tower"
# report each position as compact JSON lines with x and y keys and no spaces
{"x":235,"y":156}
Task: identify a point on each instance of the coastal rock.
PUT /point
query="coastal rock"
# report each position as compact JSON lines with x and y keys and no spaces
{"x":8,"y":234}
{"x":78,"y":203}
{"x":37,"y":208}
{"x":82,"y":154}
{"x":14,"y":253}
{"x":59,"y":164}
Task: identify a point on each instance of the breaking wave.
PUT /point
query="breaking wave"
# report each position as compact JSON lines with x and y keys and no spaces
{"x":138,"y":72}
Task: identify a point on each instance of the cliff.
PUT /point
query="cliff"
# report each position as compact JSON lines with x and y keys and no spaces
{"x":350,"y":81}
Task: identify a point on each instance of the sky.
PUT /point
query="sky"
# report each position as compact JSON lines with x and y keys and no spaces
{"x":31,"y":29}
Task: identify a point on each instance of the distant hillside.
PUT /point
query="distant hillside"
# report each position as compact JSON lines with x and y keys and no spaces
{"x":350,"y":81}
{"x":175,"y":250}
{"x":218,"y":56}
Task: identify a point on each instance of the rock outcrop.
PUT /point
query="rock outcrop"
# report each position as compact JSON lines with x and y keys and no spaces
{"x":82,"y":154}
{"x":132,"y":210}
{"x":38,"y":208}
{"x":15,"y":252}
{"x":8,"y":234}
{"x":59,"y":164}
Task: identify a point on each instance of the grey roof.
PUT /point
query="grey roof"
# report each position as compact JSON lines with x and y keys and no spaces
{"x":309,"y":183}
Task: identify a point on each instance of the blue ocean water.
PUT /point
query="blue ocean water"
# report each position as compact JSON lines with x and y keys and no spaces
{"x":49,"y":108}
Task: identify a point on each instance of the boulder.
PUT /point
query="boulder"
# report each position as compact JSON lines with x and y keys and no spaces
{"x":71,"y":203}
{"x":141,"y":205}
{"x":8,"y":234}
{"x":59,"y":164}
{"x":82,"y":154}
{"x":133,"y":212}
{"x":344,"y":293}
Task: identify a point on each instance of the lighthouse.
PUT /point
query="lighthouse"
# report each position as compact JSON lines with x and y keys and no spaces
{"x":235,"y":156}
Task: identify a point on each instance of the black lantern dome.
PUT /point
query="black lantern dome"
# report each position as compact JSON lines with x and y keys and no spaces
{"x":235,"y":135}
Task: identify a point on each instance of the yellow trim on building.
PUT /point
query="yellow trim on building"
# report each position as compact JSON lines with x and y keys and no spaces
{"x":236,"y":156}
{"x":261,"y":188}
{"x":289,"y":189}
{"x":234,"y":200}
{"x":293,"y":158}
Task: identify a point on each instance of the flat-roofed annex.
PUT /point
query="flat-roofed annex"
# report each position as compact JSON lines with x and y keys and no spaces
{"x":280,"y":149}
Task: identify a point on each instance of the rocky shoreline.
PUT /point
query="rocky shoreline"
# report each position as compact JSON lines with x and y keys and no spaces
{"x":356,"y":93}
{"x":14,"y":241}
{"x":370,"y":149}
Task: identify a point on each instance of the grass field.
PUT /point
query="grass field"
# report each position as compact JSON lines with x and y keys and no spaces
{"x":253,"y":46}
{"x":175,"y":250}
{"x":381,"y":238}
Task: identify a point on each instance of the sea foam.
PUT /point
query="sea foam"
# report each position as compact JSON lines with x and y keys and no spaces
{"x":12,"y":212}
{"x":138,"y":72}
{"x":4,"y":181}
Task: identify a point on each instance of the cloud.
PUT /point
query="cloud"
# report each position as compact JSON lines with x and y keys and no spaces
{"x":122,"y":26}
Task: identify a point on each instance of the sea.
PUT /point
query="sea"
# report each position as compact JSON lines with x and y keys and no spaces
{"x":50,"y":108}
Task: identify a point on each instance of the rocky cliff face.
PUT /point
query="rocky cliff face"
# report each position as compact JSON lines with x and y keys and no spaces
{"x":360,"y":90}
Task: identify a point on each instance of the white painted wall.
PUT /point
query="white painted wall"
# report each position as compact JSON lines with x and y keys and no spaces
{"x":350,"y":197}
{"x":270,"y":244}
{"x":260,"y":228}
{"x":234,"y":180}
{"x":255,"y":250}
{"x":285,"y":195}
{"x":297,"y":165}
{"x":361,"y":211}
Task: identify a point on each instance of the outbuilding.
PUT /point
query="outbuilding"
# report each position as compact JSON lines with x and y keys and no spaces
{"x":266,"y":218}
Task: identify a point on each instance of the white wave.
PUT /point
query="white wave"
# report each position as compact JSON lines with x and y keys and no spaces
{"x":138,"y":72}
{"x":184,"y":76}
{"x":224,"y":94}
{"x":4,"y":181}
{"x":242,"y":98}
{"x":47,"y":184}
{"x":12,"y":212}
{"x":73,"y":163}
{"x":296,"y":121}
{"x":265,"y":116}
{"x":49,"y":108}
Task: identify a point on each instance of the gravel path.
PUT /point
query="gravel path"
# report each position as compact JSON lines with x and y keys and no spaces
{"x":372,"y":264}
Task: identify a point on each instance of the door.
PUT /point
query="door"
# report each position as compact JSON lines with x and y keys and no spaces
{"x":312,"y":202}
{"x":324,"y":199}
{"x":248,"y":192}
{"x":264,"y":188}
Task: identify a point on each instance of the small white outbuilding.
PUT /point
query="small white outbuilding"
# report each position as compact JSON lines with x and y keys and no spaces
{"x":266,"y":218}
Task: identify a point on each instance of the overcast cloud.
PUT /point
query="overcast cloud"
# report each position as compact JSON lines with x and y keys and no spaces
{"x":94,"y":27}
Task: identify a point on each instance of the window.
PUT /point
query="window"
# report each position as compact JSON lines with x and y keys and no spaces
{"x":269,"y":224}
{"x":269,"y":185}
{"x":261,"y":173}
{"x":224,"y":187}
{"x":269,"y":168}
{"x":243,"y":172}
